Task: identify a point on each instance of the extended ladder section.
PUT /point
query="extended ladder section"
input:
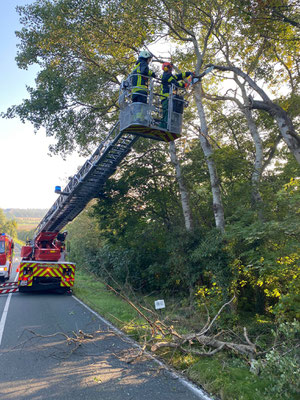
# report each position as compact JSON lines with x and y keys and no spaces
{"x":147,"y":119}
{"x":89,"y":180}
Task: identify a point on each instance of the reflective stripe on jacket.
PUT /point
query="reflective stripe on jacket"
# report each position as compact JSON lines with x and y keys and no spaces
{"x":139,"y":76}
{"x":168,"y":79}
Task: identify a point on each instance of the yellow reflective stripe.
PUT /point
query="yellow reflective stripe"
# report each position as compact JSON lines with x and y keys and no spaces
{"x":139,"y":86}
{"x":170,"y":136}
{"x":30,"y":281}
{"x":137,"y":69}
{"x":139,"y":89}
{"x":162,"y":92}
{"x":139,"y":80}
{"x":42,"y":272}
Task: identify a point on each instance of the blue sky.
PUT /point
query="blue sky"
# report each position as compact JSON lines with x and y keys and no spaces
{"x":28,"y":173}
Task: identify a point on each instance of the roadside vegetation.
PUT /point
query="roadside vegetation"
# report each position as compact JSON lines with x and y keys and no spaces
{"x":224,"y":376}
{"x":8,"y":226}
{"x":20,"y":223}
{"x":209,"y":220}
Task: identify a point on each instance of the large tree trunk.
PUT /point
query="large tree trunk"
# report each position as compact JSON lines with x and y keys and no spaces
{"x":283,"y":120}
{"x":257,"y":168}
{"x":258,"y":163}
{"x":284,"y":123}
{"x":182,"y":189}
{"x":208,"y":153}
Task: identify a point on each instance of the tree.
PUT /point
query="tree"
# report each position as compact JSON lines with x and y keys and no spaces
{"x":190,"y":24}
{"x":187,"y":214}
{"x":84,"y":49}
{"x":83,"y":55}
{"x":282,"y":118}
{"x":7,"y":226}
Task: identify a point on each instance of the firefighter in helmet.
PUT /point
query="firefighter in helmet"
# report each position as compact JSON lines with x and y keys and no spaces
{"x":140,"y":77}
{"x":167,"y":80}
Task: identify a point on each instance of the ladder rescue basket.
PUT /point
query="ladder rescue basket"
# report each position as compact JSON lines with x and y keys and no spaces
{"x":146,"y":118}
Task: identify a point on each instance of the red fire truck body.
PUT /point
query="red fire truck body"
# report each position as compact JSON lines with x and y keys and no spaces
{"x":6,"y":255}
{"x":43,"y":265}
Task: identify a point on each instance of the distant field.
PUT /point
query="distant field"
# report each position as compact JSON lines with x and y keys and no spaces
{"x":26,"y":227}
{"x":27,"y":224}
{"x":29,"y":220}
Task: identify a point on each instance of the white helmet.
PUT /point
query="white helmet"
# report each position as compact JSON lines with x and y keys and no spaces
{"x":145,"y":54}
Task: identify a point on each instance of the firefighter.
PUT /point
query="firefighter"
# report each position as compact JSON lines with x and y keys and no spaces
{"x":60,"y":243}
{"x":139,"y":77}
{"x":167,"y":80}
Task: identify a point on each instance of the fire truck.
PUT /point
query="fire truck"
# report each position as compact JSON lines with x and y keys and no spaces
{"x":43,"y":264}
{"x":6,"y":256}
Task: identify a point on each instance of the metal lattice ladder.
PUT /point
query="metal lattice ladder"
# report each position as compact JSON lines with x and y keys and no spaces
{"x":89,"y":181}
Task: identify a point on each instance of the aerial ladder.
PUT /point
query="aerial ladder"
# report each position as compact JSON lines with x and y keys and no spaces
{"x":43,"y":264}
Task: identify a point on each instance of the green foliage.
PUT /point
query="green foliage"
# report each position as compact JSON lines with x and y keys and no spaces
{"x":266,"y":254}
{"x":8,"y":226}
{"x":212,"y":254}
{"x":226,"y":376}
{"x":83,"y":51}
{"x":139,"y":241}
{"x":229,"y":378}
{"x":83,"y":237}
{"x":281,"y":364}
{"x":26,"y":220}
{"x":134,"y":234}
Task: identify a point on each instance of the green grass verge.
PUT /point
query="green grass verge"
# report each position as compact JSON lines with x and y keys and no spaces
{"x":223,"y":375}
{"x":95,"y":294}
{"x":228,"y":381}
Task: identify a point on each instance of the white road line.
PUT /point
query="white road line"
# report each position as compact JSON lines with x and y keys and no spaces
{"x":4,"y":315}
{"x":197,"y":391}
{"x":5,"y":311}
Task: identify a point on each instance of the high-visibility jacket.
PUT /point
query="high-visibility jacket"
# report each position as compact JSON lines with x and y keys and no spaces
{"x":139,"y":78}
{"x":168,"y":79}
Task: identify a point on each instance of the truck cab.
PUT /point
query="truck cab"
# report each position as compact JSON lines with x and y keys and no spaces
{"x":6,"y":256}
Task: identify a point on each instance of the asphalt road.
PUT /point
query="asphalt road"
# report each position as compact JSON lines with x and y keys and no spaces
{"x":38,"y":361}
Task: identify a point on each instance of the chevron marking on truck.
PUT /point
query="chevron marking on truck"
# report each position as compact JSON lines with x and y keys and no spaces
{"x":48,"y":270}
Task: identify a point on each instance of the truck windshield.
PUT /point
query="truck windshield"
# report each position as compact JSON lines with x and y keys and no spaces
{"x":2,"y":247}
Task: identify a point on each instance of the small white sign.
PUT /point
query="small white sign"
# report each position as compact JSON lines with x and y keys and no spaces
{"x":159,"y":304}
